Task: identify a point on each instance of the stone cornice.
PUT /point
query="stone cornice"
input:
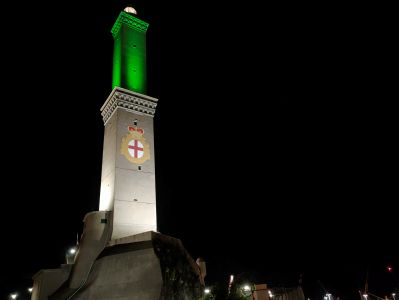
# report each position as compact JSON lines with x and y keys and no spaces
{"x":130,"y":21}
{"x":130,"y":101}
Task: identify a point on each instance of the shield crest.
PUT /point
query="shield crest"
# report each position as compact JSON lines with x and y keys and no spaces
{"x":134,"y":147}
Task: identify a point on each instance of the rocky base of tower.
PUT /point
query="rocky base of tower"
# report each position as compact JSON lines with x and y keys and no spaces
{"x":147,"y":266}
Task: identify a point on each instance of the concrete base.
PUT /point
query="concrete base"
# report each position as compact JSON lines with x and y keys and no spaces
{"x":46,"y":282}
{"x":147,"y":266}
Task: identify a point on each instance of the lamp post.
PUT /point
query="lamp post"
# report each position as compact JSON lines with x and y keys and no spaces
{"x":70,"y":255}
{"x":393,"y":296}
{"x":208,"y":294}
{"x":249,"y":290}
{"x":270,"y":294}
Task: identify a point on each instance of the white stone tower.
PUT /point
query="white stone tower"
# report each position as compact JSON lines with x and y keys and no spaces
{"x":128,"y":169}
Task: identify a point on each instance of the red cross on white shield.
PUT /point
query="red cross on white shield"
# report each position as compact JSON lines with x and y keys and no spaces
{"x":135,"y":148}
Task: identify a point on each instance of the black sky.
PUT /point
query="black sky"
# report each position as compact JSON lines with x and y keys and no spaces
{"x":276,"y":140}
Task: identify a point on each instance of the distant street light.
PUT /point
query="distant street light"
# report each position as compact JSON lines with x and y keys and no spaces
{"x":14,"y":296}
{"x":270,"y":294}
{"x":248,"y":290}
{"x":70,"y":255}
{"x":30,"y":290}
{"x":365,"y":296}
{"x":394,"y":296}
{"x":230,"y":284}
{"x":208,"y":294}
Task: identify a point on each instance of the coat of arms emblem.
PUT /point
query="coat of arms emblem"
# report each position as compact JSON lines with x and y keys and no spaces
{"x":134,"y":147}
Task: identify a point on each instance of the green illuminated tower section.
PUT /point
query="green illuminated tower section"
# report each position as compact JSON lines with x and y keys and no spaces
{"x":129,"y":70}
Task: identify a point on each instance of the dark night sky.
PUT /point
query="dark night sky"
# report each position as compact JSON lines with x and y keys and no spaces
{"x":276,"y":148}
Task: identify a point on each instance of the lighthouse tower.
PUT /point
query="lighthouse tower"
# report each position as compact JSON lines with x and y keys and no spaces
{"x":128,"y":169}
{"x":120,"y":256}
